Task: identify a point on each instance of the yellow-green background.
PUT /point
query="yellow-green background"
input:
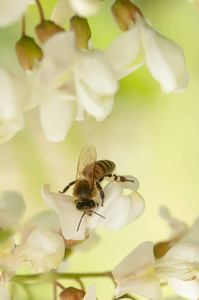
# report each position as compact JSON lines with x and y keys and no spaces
{"x":153,"y":137}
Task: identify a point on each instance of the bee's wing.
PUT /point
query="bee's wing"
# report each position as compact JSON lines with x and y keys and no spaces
{"x":86,"y":163}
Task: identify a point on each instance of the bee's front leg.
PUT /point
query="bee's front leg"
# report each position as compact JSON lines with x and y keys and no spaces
{"x":67,"y":187}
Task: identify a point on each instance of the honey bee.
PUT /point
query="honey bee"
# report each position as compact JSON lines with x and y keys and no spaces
{"x":87,"y":184}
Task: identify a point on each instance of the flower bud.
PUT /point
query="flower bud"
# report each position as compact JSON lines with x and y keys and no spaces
{"x":46,"y":29}
{"x":82,"y":30}
{"x":72,"y":293}
{"x":27,"y":52}
{"x":124,"y":12}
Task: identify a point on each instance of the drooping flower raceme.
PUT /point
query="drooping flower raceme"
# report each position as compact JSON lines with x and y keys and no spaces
{"x":72,"y":82}
{"x":65,"y":9}
{"x":140,"y":272}
{"x":139,"y":43}
{"x":118,"y":210}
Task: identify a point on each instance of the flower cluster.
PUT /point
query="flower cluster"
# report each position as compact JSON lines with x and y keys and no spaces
{"x":67,"y":78}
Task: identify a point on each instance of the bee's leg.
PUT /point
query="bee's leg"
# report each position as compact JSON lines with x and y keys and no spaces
{"x":101,"y":192}
{"x":67,"y":187}
{"x":121,"y":178}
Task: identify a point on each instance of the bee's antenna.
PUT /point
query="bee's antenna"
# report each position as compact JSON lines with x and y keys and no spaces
{"x":81,"y":220}
{"x":84,"y":215}
{"x":97,"y":214}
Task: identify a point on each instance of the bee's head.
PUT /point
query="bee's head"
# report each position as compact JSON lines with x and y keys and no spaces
{"x":86,"y":205}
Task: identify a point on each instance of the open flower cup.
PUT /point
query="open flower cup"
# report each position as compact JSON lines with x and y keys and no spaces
{"x":118,"y":210}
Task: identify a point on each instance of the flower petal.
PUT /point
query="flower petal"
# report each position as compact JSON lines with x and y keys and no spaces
{"x":62,"y":12}
{"x":68,"y":214}
{"x":187,"y":289}
{"x":134,"y":264}
{"x":125,"y":52}
{"x":9,"y":130}
{"x":11,"y":11}
{"x":91,"y":293}
{"x":148,"y":287}
{"x":85,"y":8}
{"x":44,"y":249}
{"x":4,"y":295}
{"x":165,"y":60}
{"x":57,"y":116}
{"x":12,"y":207}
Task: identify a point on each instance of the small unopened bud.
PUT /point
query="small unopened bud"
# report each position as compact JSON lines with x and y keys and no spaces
{"x":72,"y":293}
{"x":46,"y":29}
{"x":82,"y":30}
{"x":27,"y":52}
{"x":124,"y":12}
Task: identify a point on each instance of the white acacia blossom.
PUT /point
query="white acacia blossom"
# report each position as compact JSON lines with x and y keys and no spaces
{"x":140,"y":272}
{"x":72,"y":82}
{"x":65,"y":9}
{"x":118,"y":210}
{"x":164,"y":58}
{"x":43,"y":249}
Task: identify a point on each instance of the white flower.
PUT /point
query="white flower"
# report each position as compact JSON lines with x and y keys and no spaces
{"x":4,"y":295}
{"x":134,"y":274}
{"x":65,"y":9}
{"x":71,"y":81}
{"x":43,"y":249}
{"x":11,"y":11}
{"x":14,"y":100}
{"x":179,"y":267}
{"x":11,"y":209}
{"x":140,"y":273}
{"x":118,"y":210}
{"x":164,"y":58}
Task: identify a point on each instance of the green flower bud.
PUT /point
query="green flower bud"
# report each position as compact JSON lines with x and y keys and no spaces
{"x":82,"y":30}
{"x":27,"y":52}
{"x":124,"y":12}
{"x":46,"y":29}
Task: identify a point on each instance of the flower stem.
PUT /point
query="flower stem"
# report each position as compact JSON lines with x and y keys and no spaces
{"x":40,"y":9}
{"x":23,"y":29}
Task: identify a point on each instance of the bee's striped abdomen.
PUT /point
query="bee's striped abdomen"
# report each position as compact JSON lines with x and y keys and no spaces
{"x":103,"y":167}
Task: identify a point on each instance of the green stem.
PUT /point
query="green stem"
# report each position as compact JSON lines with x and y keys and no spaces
{"x":53,"y":276}
{"x":40,"y":10}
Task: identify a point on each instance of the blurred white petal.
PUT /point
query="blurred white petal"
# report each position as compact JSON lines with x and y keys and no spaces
{"x":11,"y":11}
{"x":195,"y":2}
{"x":57,"y":117}
{"x":4,"y":295}
{"x":9,"y":130}
{"x":85,"y":7}
{"x":12,"y":208}
{"x":62,"y":12}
